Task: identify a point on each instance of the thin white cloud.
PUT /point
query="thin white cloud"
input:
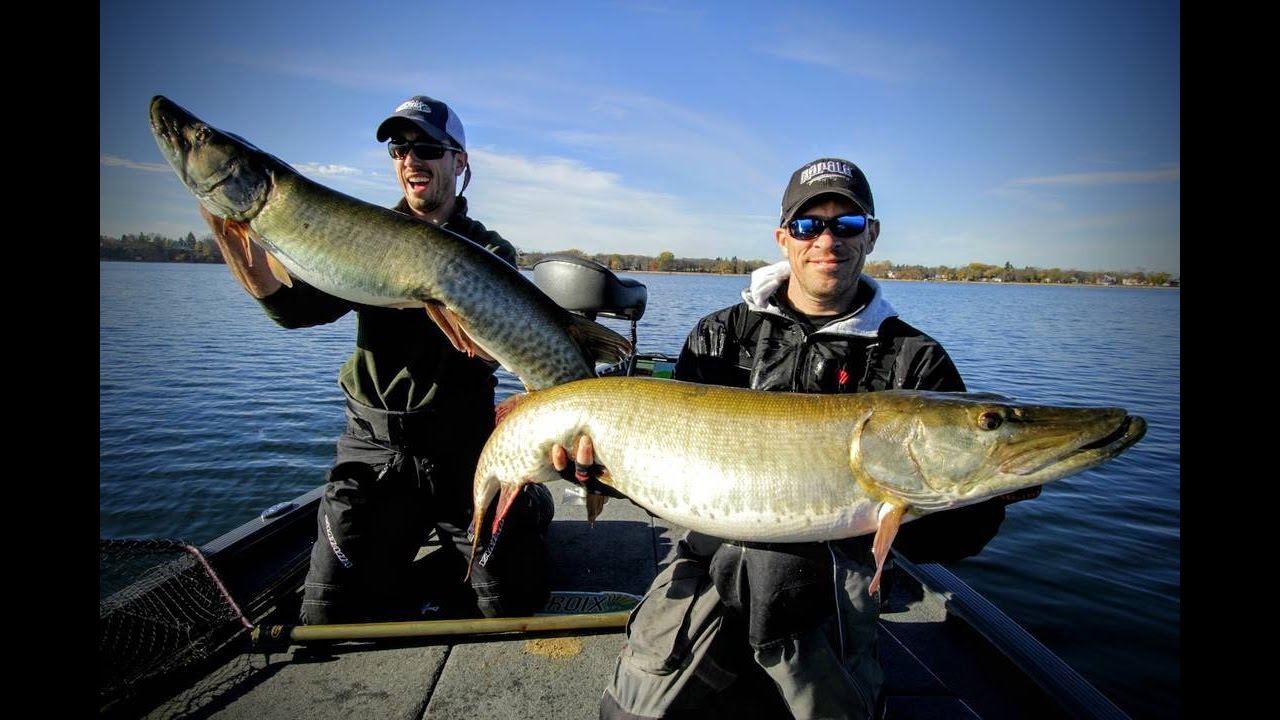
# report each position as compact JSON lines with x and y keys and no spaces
{"x":328,"y":170}
{"x":870,"y":57}
{"x":1085,"y":222}
{"x":1129,"y":177}
{"x":116,"y":161}
{"x":1030,"y":199}
{"x":678,"y":10}
{"x":625,"y":127}
{"x":555,"y":203}
{"x":860,"y":64}
{"x":367,"y":72}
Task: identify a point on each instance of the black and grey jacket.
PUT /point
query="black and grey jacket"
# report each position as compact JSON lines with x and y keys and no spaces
{"x":764,"y":344}
{"x":402,"y":361}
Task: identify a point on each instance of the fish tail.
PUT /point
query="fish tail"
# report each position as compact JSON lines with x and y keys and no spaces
{"x":597,"y":342}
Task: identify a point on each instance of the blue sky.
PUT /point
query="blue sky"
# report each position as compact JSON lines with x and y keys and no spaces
{"x":1036,"y":133}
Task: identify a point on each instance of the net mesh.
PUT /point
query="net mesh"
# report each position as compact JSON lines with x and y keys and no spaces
{"x":163,"y":611}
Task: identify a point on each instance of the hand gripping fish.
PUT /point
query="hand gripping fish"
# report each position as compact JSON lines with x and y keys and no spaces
{"x":376,"y":256}
{"x":762,"y":466}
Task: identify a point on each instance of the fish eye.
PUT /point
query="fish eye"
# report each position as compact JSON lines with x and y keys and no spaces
{"x":990,"y":420}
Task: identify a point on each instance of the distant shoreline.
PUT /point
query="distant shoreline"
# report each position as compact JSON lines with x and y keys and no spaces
{"x":904,"y":280}
{"x":1031,"y":284}
{"x":747,"y":275}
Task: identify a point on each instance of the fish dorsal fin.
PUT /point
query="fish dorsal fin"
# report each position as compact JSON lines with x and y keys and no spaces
{"x":596,"y":501}
{"x":598,"y":343}
{"x":455,"y":329}
{"x":595,"y":504}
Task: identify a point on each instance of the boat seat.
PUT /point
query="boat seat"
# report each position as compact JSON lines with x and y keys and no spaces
{"x":587,"y":287}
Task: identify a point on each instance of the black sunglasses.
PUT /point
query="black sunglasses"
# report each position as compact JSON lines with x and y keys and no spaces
{"x":845,"y":226}
{"x":421,"y":150}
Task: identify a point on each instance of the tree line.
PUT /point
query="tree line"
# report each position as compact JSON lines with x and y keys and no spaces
{"x":150,"y":247}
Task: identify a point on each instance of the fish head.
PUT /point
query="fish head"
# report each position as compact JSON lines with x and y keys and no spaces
{"x":230,"y":177}
{"x":935,"y":451}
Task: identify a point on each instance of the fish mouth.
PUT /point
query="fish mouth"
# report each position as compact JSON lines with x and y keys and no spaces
{"x":1037,"y":461}
{"x":1129,"y":431}
{"x":167,"y":118}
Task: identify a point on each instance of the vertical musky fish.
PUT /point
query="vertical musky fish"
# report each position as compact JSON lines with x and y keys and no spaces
{"x":375,"y":256}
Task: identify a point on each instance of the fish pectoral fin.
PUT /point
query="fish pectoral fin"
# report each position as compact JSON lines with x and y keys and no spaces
{"x":278,"y":270}
{"x":235,"y":241}
{"x":886,"y":531}
{"x":228,"y":232}
{"x":455,"y":329}
{"x":276,"y":267}
{"x":242,"y":232}
{"x":504,"y":408}
{"x":441,"y":316}
{"x":597,"y":342}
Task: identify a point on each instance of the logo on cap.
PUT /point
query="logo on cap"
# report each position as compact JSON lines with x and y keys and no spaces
{"x":414,"y":105}
{"x":820,"y":170}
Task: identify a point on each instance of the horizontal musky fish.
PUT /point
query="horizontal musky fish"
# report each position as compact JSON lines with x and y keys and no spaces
{"x":760,"y":466}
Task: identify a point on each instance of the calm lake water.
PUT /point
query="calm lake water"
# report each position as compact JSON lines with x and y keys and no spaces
{"x":210,"y":413}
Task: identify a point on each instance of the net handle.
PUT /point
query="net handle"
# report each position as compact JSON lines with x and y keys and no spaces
{"x":226,"y":595}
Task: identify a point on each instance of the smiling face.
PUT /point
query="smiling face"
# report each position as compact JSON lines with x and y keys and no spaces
{"x":428,"y":185}
{"x":825,"y":270}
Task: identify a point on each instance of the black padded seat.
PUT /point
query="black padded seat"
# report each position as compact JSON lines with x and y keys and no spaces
{"x":587,"y":287}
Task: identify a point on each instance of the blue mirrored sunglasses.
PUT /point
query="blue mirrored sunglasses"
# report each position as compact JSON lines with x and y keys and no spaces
{"x":845,"y":226}
{"x":420,"y":150}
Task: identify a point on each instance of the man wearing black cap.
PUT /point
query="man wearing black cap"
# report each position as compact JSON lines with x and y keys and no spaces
{"x":418,"y":414}
{"x":732,"y":629}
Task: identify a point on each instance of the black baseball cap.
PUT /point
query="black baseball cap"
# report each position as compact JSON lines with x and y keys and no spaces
{"x":428,"y":115}
{"x":826,"y":176}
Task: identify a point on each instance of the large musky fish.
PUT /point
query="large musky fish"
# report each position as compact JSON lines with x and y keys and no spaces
{"x":795,"y":467}
{"x":375,"y":256}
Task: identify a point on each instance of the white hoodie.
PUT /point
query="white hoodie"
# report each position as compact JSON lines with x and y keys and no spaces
{"x":862,"y":322}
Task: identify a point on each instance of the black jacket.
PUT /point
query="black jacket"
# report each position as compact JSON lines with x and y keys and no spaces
{"x":764,"y":344}
{"x":402,"y":361}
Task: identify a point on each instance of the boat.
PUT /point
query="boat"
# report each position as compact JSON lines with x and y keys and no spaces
{"x":210,"y":631}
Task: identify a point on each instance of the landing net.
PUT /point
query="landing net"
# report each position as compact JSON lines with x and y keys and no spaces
{"x":163,"y":611}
